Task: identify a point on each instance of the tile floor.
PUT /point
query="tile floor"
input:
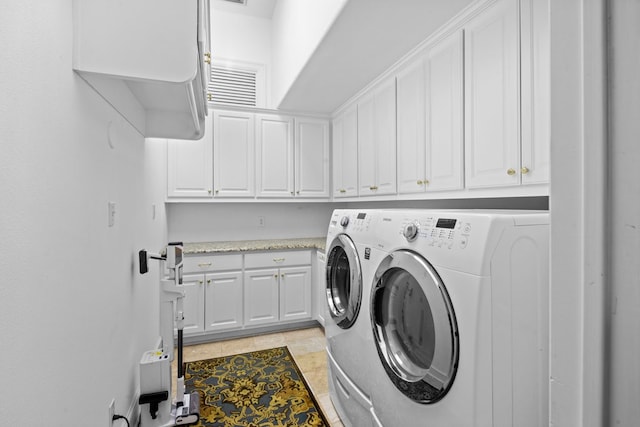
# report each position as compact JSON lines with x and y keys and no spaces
{"x":306,"y":345}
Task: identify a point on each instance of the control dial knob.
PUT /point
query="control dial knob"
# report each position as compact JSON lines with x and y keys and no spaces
{"x":344,"y":221}
{"x":410,"y":231}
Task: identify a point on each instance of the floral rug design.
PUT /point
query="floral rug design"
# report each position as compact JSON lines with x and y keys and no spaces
{"x":257,"y":389}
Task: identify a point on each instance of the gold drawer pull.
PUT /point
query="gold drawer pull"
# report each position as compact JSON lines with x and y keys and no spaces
{"x":204,"y":264}
{"x":373,"y":188}
{"x":511,"y":171}
{"x":207,"y":57}
{"x":278,"y":259}
{"x":342,"y":190}
{"x":200,"y":282}
{"x":208,"y":281}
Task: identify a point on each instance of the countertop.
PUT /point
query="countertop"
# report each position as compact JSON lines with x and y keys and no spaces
{"x":192,"y":248}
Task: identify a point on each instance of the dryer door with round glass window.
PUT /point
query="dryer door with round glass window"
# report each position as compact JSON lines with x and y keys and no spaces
{"x":344,"y":281}
{"x":414,"y":326}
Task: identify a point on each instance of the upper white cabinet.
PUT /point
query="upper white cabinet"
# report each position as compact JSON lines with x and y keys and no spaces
{"x":377,"y":140}
{"x":492,"y":109}
{"x":535,"y":91}
{"x":189,"y":167}
{"x":312,"y":157}
{"x":233,"y":154}
{"x":430,"y":120}
{"x":148,"y":59}
{"x":345,"y":154}
{"x":411,"y":142}
{"x":292,"y":156}
{"x":274,"y":148}
{"x":444,"y":115}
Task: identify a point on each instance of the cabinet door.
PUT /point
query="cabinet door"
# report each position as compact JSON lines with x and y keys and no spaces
{"x":535,"y":162}
{"x":377,"y":141}
{"x":193,"y":303}
{"x":411,"y":128}
{"x":312,"y":157}
{"x":223,"y":301}
{"x":444,"y":114}
{"x":295,"y":293}
{"x":345,"y":154}
{"x":190,"y":166}
{"x":319,"y":288}
{"x":274,"y":147}
{"x":385,"y":137}
{"x":492,"y":113}
{"x":233,"y":154}
{"x":366,"y":146}
{"x":261,"y":301}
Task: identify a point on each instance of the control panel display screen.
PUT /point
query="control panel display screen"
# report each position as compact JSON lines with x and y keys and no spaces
{"x":446,"y":223}
{"x":361,"y":215}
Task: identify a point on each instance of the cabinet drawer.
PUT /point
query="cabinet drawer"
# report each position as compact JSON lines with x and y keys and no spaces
{"x":200,"y":263}
{"x":277,"y":259}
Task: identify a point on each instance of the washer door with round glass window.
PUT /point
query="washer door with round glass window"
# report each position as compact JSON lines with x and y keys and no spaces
{"x":415,"y":327}
{"x":344,"y":281}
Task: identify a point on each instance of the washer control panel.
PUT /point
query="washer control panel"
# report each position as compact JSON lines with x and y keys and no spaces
{"x":356,"y":221}
{"x":439,"y":232}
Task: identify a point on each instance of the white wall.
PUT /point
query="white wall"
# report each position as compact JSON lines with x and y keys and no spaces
{"x":298,"y":28}
{"x":624,"y":156}
{"x":239,"y":221}
{"x":76,"y":316}
{"x":243,"y":38}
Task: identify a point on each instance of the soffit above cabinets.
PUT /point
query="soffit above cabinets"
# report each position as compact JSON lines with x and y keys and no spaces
{"x":366,"y":39}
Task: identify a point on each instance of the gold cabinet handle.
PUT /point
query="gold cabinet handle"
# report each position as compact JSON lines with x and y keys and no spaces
{"x":282,"y":275}
{"x":200,"y":282}
{"x":204,"y":264}
{"x":278,"y":259}
{"x":298,"y":192}
{"x":209,"y":97}
{"x":524,"y":170}
{"x":208,"y":281}
{"x":207,"y":57}
{"x":423,"y":182}
{"x":426,"y":181}
{"x":419,"y":182}
{"x":511,"y":171}
{"x":209,"y":191}
{"x":373,"y":188}
{"x":342,"y":190}
{"x":217,"y":191}
{"x":275,"y":276}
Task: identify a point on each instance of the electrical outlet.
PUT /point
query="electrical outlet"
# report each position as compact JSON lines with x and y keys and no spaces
{"x":112,"y":412}
{"x":112,"y":214}
{"x":260,"y":221}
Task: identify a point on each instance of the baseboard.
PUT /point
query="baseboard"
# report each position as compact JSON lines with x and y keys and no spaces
{"x":243,"y":333}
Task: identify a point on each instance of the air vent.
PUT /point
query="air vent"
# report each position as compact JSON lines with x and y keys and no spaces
{"x":233,"y":86}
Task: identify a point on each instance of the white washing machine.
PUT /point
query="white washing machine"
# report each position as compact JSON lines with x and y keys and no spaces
{"x":459,"y":316}
{"x":351,"y":351}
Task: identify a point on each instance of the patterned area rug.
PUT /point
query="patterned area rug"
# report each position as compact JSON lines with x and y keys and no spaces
{"x":257,"y":389}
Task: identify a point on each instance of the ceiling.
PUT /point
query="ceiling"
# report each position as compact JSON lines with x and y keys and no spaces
{"x":259,"y":8}
{"x":367,"y":38}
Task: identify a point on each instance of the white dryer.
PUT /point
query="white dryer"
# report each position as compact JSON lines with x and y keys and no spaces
{"x":459,"y":315}
{"x":351,"y":351}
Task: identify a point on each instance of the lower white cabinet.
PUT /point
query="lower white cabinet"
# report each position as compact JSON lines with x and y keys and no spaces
{"x":262,"y":299}
{"x":279,"y":293}
{"x":223,"y":301}
{"x":319,"y":288}
{"x":241,"y":291}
